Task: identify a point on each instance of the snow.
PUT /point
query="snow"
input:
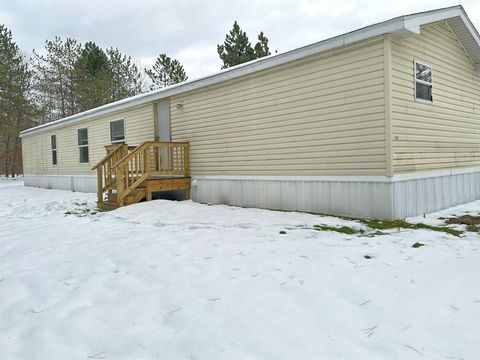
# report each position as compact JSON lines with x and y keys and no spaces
{"x":182,"y":280}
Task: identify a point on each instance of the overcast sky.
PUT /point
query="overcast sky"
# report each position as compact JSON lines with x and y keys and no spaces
{"x":190,"y":30}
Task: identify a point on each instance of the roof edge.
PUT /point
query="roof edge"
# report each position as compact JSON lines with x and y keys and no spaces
{"x":402,"y":26}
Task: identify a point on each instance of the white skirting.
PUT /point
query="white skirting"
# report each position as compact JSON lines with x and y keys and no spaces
{"x":80,"y":183}
{"x":360,"y":196}
{"x":369,"y":196}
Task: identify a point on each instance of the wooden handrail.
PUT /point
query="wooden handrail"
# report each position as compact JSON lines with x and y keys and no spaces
{"x":133,"y":152}
{"x":151,"y":158}
{"x":142,"y":145}
{"x":107,"y":157}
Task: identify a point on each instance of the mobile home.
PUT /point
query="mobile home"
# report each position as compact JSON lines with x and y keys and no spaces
{"x":380,"y":122}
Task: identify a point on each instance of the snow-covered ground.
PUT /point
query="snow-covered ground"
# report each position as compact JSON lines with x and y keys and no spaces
{"x":181,"y":280}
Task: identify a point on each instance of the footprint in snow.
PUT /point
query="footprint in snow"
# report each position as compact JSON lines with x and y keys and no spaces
{"x":173,"y":311}
{"x":214,"y":299}
{"x":255,"y":275}
{"x":304,"y":256}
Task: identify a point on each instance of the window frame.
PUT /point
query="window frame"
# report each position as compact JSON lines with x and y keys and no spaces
{"x":117,"y":141}
{"x":83,"y":146}
{"x":423,"y":82}
{"x":54,"y":150}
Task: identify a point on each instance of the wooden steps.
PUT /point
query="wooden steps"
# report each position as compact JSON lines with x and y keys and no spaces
{"x":127,"y":175}
{"x":107,"y":205}
{"x":145,"y":190}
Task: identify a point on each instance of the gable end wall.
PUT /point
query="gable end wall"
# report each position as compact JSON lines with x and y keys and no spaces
{"x":444,"y":134}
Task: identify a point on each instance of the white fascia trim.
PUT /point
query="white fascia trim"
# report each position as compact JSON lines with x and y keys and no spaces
{"x":346,"y":178}
{"x":414,"y":21}
{"x":468,"y":24}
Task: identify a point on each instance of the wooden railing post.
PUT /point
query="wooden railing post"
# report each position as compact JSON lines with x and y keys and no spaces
{"x":99,"y":185}
{"x":187,"y":163}
{"x":146,"y":156}
{"x":120,"y":184}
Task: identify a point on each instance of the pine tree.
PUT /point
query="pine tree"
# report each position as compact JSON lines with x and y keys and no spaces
{"x":261,"y":47}
{"x":16,"y":109}
{"x":126,"y":78}
{"x":55,"y":78}
{"x":93,"y":77}
{"x":237,"y":49}
{"x":166,"y":71}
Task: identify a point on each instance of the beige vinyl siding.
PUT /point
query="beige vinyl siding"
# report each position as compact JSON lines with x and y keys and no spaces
{"x":320,"y":116}
{"x":445,"y":133}
{"x":139,"y":127}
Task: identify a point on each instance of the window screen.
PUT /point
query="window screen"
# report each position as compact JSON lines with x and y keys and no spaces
{"x":423,"y":82}
{"x":83,"y":145}
{"x":117,"y":131}
{"x":53,"y":140}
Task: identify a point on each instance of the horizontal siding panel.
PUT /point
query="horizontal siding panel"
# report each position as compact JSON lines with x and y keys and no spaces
{"x":432,"y":166}
{"x":139,"y":127}
{"x":448,"y":117}
{"x":308,"y":168}
{"x":265,"y":132}
{"x":298,"y":73}
{"x":428,"y":128}
{"x":289,"y":118}
{"x":324,"y":84}
{"x":446,"y":133}
{"x":324,"y":115}
{"x":326,"y":151}
{"x":283,"y":101}
{"x":444,"y":138}
{"x":362,"y":142}
{"x":292,"y":114}
{"x":293,"y":172}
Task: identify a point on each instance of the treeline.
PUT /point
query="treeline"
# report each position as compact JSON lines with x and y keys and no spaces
{"x":68,"y":77}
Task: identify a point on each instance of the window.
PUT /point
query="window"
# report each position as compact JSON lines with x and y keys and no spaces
{"x":53,"y":141}
{"x":423,"y":82}
{"x":83,"y":144}
{"x":117,"y":131}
